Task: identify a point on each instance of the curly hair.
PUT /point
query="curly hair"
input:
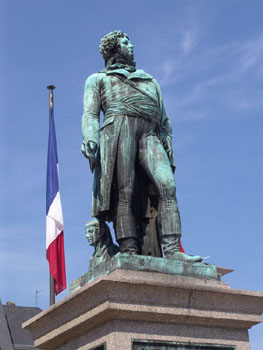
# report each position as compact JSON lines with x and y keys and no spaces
{"x":109,"y":42}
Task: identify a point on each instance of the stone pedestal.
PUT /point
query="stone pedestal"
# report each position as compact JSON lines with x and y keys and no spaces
{"x":145,"y":310}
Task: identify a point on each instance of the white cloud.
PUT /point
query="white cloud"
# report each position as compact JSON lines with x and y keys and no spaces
{"x":188,"y":39}
{"x":251,"y":55}
{"x":225,"y":78}
{"x":167,"y":71}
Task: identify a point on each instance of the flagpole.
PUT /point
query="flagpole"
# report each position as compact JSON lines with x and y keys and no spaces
{"x":51,"y":290}
{"x":51,"y":278}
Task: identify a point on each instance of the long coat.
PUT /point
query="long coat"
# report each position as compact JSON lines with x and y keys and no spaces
{"x":102,"y":92}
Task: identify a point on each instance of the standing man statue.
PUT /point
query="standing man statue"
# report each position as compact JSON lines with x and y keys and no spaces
{"x":135,"y":138}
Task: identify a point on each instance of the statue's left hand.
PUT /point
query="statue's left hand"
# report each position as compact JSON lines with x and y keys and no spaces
{"x":167,"y":144}
{"x":170,"y":155}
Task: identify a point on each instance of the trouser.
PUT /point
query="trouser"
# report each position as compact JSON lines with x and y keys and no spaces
{"x":138,"y":137}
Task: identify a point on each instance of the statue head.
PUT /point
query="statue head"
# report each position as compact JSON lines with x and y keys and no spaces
{"x":98,"y":232}
{"x":116,"y":46}
{"x":92,"y":230}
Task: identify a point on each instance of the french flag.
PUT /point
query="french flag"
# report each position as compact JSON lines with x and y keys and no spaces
{"x":54,"y":217}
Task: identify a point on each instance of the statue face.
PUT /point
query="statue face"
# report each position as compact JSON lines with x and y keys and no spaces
{"x":125,"y":49}
{"x":92,"y":235}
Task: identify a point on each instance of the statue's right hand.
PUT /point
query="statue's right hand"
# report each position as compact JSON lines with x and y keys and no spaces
{"x":89,"y":150}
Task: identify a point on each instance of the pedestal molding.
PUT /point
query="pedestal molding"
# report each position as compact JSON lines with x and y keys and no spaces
{"x":145,"y":297}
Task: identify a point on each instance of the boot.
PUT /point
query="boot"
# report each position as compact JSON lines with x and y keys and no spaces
{"x":129,"y":245}
{"x":171,"y":249}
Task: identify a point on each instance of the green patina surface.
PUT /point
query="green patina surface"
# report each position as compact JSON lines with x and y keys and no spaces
{"x":99,"y":236}
{"x":146,"y":263}
{"x":131,"y":153}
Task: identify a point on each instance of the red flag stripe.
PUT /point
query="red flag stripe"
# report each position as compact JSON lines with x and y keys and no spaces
{"x":56,"y":259}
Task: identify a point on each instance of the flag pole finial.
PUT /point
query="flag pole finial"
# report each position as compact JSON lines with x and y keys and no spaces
{"x":51,"y":97}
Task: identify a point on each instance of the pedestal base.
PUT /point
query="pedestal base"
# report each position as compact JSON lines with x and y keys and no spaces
{"x":146,"y":263}
{"x":141,"y":310}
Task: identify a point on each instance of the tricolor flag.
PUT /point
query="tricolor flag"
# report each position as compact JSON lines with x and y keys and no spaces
{"x":54,"y":216}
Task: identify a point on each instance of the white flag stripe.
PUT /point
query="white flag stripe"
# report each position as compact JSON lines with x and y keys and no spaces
{"x":54,"y":230}
{"x":55,"y":210}
{"x":54,"y":220}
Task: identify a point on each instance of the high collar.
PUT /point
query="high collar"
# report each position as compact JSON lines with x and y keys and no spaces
{"x":137,"y":74}
{"x":128,"y":67}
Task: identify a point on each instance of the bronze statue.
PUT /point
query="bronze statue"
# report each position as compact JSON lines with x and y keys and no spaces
{"x":131,"y":151}
{"x":99,"y":236}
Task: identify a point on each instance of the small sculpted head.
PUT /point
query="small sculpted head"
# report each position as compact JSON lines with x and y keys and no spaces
{"x":116,"y":45}
{"x":92,"y":230}
{"x":98,"y":232}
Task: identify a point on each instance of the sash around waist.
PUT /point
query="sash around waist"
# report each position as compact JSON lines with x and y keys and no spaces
{"x":108,"y":115}
{"x":134,"y":106}
{"x":109,"y":118}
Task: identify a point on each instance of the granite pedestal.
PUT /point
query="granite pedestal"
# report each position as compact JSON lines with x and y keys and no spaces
{"x":127,"y":309}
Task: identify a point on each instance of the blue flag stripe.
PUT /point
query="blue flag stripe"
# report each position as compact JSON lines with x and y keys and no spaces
{"x":52,"y":161}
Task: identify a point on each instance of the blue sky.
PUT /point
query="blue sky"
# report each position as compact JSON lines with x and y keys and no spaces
{"x":207,"y":58}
